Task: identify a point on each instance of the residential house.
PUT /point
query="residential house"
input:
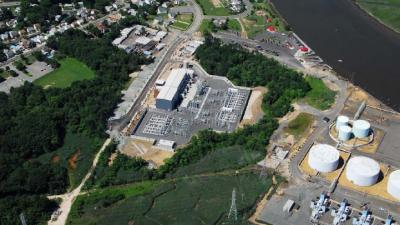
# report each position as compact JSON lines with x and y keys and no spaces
{"x":4,"y":37}
{"x":13,"y":34}
{"x":9,"y":54}
{"x":30,"y":30}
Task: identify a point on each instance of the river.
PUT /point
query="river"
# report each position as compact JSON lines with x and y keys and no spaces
{"x":337,"y":30}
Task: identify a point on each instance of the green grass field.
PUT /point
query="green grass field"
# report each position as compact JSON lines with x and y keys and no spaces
{"x":387,"y":11}
{"x":84,"y":148}
{"x":174,"y":202}
{"x":221,"y":159}
{"x":206,"y":26}
{"x":300,"y":124}
{"x":69,"y":71}
{"x":320,"y":96}
{"x":234,"y":24}
{"x":183,"y":21}
{"x":209,"y":9}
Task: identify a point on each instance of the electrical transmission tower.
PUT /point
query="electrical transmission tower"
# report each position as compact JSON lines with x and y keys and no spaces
{"x":22,"y":218}
{"x":233,"y":209}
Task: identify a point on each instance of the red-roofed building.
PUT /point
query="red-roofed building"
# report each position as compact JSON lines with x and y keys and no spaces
{"x":304,"y":49}
{"x":271,"y":29}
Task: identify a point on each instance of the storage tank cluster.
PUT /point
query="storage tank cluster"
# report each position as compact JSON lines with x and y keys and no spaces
{"x":360,"y":129}
{"x":323,"y":158}
{"x":362,"y":171}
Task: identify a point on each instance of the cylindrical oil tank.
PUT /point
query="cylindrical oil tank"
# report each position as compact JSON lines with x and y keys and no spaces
{"x":323,"y":158}
{"x":344,"y":133}
{"x":393,"y":187}
{"x":362,"y":171}
{"x":361,"y":128}
{"x":341,"y":121}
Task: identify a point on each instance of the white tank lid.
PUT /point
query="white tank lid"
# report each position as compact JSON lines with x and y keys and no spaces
{"x":345,"y":128}
{"x":363,"y":166}
{"x":343,"y":119}
{"x":361,"y":124}
{"x":324,"y":153}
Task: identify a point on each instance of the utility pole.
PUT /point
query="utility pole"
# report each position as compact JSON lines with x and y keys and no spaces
{"x":233,"y":209}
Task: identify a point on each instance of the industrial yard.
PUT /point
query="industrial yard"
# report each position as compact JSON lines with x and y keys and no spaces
{"x":349,"y":167}
{"x":189,"y":101}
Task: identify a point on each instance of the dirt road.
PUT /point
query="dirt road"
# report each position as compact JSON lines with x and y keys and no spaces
{"x":69,"y":198}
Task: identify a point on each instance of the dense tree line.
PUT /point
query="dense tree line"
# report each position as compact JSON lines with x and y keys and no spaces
{"x":253,"y":69}
{"x":34,"y":122}
{"x":246,"y":69}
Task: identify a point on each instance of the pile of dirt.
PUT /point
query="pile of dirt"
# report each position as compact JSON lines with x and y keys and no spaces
{"x":73,"y":159}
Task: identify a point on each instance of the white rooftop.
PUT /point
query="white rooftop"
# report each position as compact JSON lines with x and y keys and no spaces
{"x":143,"y":40}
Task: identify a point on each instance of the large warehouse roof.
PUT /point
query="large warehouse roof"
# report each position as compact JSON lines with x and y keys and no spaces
{"x":175,"y":78}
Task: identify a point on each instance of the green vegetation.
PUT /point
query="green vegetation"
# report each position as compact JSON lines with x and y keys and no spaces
{"x":257,"y":22}
{"x":234,"y":25}
{"x":300,"y":124}
{"x":387,"y":11}
{"x":71,"y":70}
{"x":35,"y":122}
{"x":76,"y":154}
{"x":234,"y":157}
{"x":121,"y":170}
{"x":320,"y":96}
{"x":209,"y":160}
{"x":182,"y":201}
{"x":4,"y":73}
{"x":209,"y":9}
{"x":180,"y":25}
{"x":207,"y":26}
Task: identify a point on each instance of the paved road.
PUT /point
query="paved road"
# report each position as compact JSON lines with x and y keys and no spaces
{"x":9,"y":4}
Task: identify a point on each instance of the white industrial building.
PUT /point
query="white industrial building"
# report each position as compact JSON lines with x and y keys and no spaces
{"x":393,"y":186}
{"x":323,"y":158}
{"x":362,"y":171}
{"x":170,"y":94}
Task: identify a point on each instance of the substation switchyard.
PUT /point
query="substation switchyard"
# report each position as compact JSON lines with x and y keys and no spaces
{"x":188,"y":101}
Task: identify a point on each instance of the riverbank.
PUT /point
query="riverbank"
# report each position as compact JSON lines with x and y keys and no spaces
{"x":378,"y":10}
{"x":355,"y":45}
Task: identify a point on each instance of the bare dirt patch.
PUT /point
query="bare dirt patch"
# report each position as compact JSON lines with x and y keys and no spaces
{"x":216,"y":3}
{"x":55,"y":158}
{"x":253,"y":110}
{"x":145,"y":150}
{"x":73,"y":159}
{"x":260,"y":13}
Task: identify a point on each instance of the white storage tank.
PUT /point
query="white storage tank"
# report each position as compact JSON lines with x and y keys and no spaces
{"x":341,"y":121}
{"x":393,"y":187}
{"x":361,"y":128}
{"x":362,"y":171}
{"x":323,"y":158}
{"x":344,"y":133}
